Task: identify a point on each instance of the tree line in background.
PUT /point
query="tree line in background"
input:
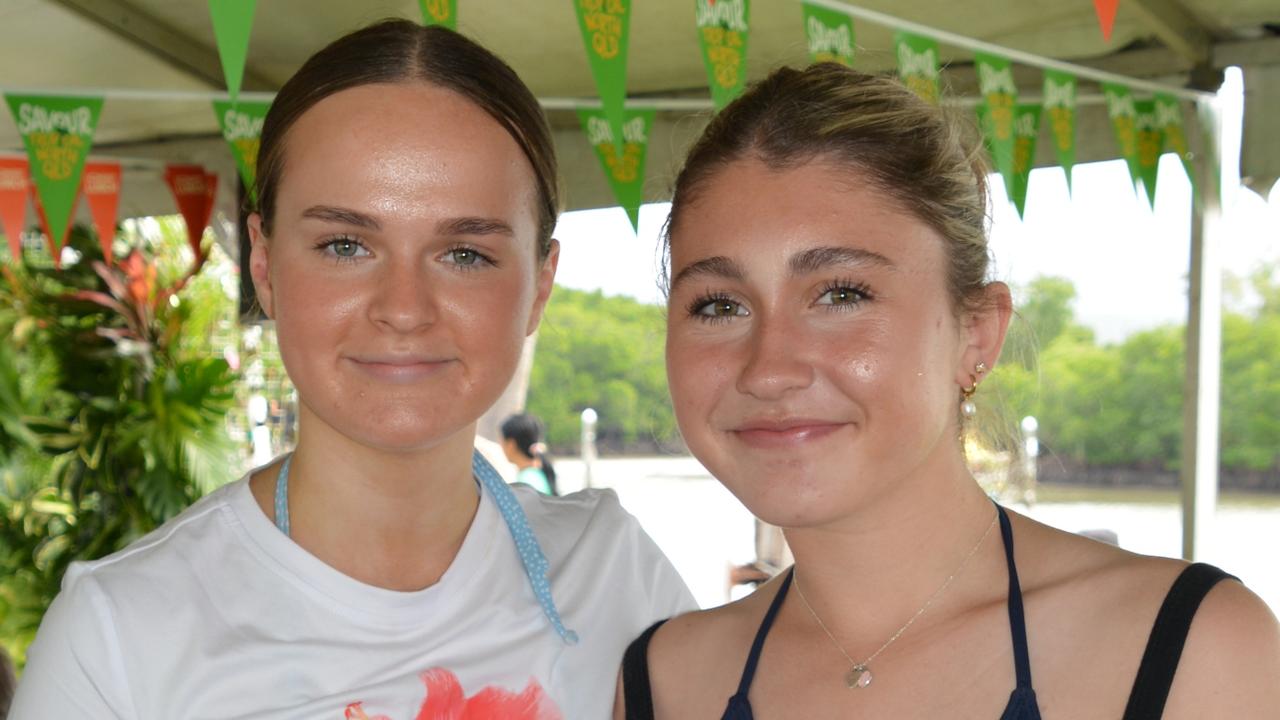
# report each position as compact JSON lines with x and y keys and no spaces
{"x":1112,"y":405}
{"x":604,"y":353}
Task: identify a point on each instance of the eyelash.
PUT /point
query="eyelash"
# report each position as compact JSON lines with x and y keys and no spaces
{"x":702,"y":301}
{"x":860,"y":292}
{"x":481,"y":258}
{"x":326,"y":247}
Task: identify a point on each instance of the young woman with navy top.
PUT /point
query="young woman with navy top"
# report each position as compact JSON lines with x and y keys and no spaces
{"x":830,"y":323}
{"x":402,"y":245}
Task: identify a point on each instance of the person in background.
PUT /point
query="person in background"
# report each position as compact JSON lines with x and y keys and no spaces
{"x":402,"y":245}
{"x":522,"y":441}
{"x":830,"y":321}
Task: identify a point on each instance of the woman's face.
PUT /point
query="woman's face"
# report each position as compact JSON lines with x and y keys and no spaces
{"x":814,"y":356}
{"x":402,"y":271}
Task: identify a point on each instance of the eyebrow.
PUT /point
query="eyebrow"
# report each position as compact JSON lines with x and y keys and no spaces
{"x":718,"y":266}
{"x":802,"y":263}
{"x":453,"y":226}
{"x":474,"y":226}
{"x":329,"y":213}
{"x":815,"y":259}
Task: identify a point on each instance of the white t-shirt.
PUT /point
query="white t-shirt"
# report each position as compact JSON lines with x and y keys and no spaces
{"x":220,"y":615}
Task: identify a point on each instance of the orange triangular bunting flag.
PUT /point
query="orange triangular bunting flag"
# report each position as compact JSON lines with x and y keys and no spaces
{"x":1106,"y":15}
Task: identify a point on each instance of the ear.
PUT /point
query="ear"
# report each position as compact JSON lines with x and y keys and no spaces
{"x":983,"y":333}
{"x":546,"y":281}
{"x":260,"y":265}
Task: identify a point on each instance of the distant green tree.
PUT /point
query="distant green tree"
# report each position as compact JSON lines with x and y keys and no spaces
{"x":604,"y":353}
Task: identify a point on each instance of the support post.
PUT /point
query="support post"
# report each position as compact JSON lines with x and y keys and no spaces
{"x":1202,"y":382}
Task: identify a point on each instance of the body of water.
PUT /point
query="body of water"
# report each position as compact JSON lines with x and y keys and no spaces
{"x":705,"y":530}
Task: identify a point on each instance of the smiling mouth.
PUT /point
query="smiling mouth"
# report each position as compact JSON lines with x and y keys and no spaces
{"x":399,"y":370}
{"x":787,"y":434}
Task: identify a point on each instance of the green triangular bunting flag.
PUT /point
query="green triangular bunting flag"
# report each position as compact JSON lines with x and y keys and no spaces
{"x":1026,"y":129}
{"x":232,"y":22}
{"x":440,"y":12}
{"x":241,"y":125}
{"x":829,"y":34}
{"x":58,"y":132}
{"x":1150,"y":145}
{"x":1060,"y":105}
{"x":917,"y":64}
{"x":606,"y":27}
{"x":999,"y":94}
{"x":625,"y":169}
{"x":1169,"y":119}
{"x":722,"y":31}
{"x":1124,"y":117}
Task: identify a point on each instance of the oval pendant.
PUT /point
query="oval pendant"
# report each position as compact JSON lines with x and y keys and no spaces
{"x":859,"y":676}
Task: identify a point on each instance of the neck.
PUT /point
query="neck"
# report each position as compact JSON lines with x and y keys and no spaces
{"x":868,"y":574}
{"x":524,"y":461}
{"x":392,"y":519}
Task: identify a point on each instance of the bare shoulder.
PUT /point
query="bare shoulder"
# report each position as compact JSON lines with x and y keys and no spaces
{"x":1091,"y":608}
{"x":696,"y":659}
{"x":1230,"y":666}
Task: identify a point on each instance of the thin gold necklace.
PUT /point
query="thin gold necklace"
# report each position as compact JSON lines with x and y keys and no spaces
{"x":859,"y":675}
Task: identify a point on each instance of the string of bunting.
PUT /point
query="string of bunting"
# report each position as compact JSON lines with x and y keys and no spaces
{"x":58,"y":131}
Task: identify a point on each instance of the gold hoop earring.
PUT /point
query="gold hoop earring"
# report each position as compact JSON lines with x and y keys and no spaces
{"x":967,"y":407}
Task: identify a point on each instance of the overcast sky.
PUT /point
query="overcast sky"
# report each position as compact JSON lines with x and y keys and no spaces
{"x":1129,"y":265}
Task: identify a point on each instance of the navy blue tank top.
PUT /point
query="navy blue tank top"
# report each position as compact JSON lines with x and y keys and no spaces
{"x":1146,"y":701}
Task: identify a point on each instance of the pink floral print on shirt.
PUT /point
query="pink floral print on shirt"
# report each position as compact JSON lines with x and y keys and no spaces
{"x":446,"y":701}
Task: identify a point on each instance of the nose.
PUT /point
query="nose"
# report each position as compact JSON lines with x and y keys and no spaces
{"x":403,"y":297}
{"x":776,"y":361}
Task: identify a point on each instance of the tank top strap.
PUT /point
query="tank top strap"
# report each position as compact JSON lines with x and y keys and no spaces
{"x":757,"y":646}
{"x":1017,"y":616}
{"x":1168,"y":638}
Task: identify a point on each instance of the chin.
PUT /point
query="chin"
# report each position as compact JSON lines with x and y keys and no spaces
{"x":401,"y":425}
{"x":405,"y":439}
{"x":791,"y":493}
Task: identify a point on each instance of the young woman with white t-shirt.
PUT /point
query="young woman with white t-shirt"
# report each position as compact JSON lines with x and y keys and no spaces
{"x":402,"y":245}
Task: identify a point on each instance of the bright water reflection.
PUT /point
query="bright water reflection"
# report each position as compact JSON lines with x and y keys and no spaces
{"x":704,"y":529}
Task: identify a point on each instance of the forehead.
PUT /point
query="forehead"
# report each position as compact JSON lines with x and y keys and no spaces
{"x":749,"y":210}
{"x":402,"y":146}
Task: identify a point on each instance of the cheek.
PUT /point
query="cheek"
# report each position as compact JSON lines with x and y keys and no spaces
{"x":490,"y":317}
{"x":694,"y":375}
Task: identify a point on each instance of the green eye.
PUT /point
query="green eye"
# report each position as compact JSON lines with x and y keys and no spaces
{"x":345,"y":248}
{"x":465,"y":256}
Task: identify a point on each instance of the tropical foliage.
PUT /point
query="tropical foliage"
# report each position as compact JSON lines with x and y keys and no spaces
{"x":113,"y":406}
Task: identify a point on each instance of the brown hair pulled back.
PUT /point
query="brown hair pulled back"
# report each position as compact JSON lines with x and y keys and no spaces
{"x":399,"y":51}
{"x":910,"y":150}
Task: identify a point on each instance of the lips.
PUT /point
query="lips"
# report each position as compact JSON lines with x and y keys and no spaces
{"x":399,"y":369}
{"x":785,"y":433}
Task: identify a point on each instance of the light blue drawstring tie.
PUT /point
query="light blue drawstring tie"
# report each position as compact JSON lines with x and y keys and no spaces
{"x":531,"y":555}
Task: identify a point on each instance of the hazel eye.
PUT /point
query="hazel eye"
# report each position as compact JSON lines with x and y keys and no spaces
{"x":842,"y":295}
{"x":720,"y":308}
